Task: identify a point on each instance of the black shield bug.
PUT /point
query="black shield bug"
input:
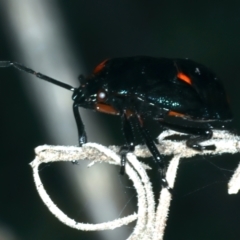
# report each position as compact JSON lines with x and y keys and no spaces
{"x":180,"y":94}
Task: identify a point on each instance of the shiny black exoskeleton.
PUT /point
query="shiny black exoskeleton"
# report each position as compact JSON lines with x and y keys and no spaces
{"x":178,"y":93}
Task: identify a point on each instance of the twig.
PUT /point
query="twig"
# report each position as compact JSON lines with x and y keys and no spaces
{"x":150,"y":224}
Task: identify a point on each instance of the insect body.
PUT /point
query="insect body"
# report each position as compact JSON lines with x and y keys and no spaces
{"x":180,"y":94}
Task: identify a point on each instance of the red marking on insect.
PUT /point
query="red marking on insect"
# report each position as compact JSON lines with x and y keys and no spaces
{"x":184,"y":78}
{"x":175,"y":114}
{"x":104,"y":108}
{"x":100,"y":67}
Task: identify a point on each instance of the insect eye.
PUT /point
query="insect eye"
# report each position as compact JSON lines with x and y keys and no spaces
{"x":102,"y":96}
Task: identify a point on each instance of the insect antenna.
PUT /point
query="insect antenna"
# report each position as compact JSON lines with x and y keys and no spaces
{"x":5,"y":64}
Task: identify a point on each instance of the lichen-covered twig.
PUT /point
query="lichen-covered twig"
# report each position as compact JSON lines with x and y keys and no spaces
{"x":151,"y":223}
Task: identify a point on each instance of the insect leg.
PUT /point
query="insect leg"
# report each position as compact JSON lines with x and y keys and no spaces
{"x":82,"y":137}
{"x":198,"y":135}
{"x":154,"y":151}
{"x":127,"y":129}
{"x":203,"y":135}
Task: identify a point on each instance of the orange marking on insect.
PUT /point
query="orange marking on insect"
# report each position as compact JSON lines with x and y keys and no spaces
{"x":184,"y":78}
{"x":100,"y":67}
{"x":175,"y":114}
{"x":104,"y":108}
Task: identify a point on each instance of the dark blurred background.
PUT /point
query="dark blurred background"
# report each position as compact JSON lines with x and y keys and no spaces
{"x":65,"y":38}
